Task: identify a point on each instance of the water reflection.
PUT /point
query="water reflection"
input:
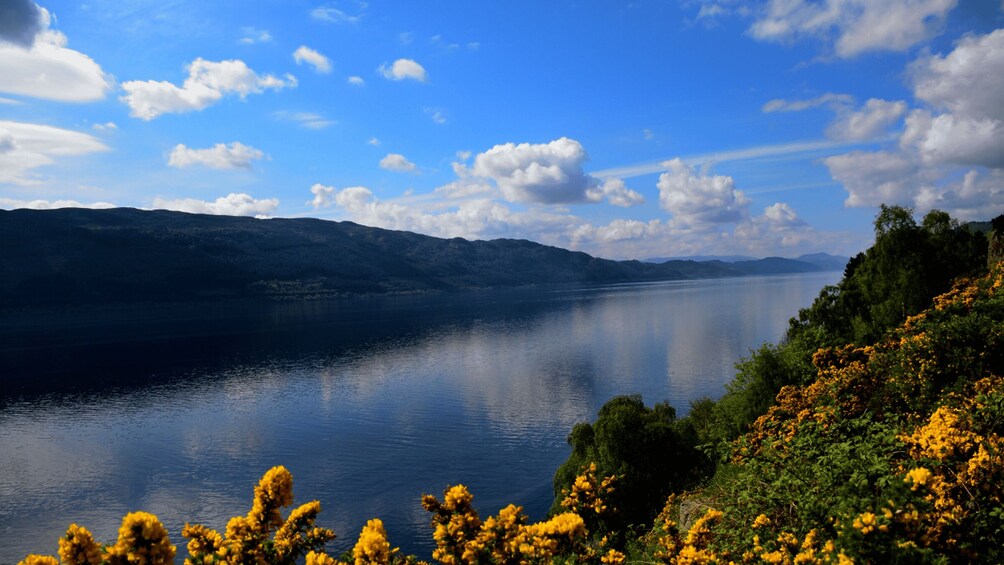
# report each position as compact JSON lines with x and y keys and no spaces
{"x":370,"y":403}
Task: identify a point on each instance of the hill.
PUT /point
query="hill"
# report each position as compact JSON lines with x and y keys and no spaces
{"x":79,"y":256}
{"x":741,"y":265}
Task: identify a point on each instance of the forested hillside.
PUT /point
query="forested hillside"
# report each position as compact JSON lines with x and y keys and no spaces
{"x":77,"y":256}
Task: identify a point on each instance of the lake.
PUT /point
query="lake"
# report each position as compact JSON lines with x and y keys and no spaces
{"x":369,"y":402}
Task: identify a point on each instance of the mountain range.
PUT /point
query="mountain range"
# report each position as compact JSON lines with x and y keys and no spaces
{"x":81,"y":256}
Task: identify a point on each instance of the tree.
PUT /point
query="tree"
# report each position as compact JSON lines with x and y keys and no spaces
{"x":908,"y":265}
{"x":648,"y":450}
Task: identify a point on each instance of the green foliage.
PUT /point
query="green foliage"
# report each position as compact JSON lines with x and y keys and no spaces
{"x":757,"y":382}
{"x":894,"y":452}
{"x":648,"y":449}
{"x":897,"y":277}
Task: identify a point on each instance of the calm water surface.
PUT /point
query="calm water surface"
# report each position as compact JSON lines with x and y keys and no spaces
{"x":370,"y":403}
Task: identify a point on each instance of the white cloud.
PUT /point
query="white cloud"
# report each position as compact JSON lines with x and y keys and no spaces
{"x":337,"y":15}
{"x":695,"y":198}
{"x":220,"y":156}
{"x":309,"y":120}
{"x":829,"y":99}
{"x":304,"y":54}
{"x":948,"y":138}
{"x":781,"y":215}
{"x":436,"y":115}
{"x":107,"y":126}
{"x":253,"y":35}
{"x":951,"y":155}
{"x":873,"y":178}
{"x":207,"y":83}
{"x":544,"y":173}
{"x":14,"y":204}
{"x":397,"y":162}
{"x":28,"y":146}
{"x":373,"y":141}
{"x":45,"y":68}
{"x":871,"y":121}
{"x":614,"y":191}
{"x":968,"y":85}
{"x":324,"y":196}
{"x":403,"y":69}
{"x":969,"y":81}
{"x":356,"y":81}
{"x":900,"y":178}
{"x":233,"y":204}
{"x":853,"y":27}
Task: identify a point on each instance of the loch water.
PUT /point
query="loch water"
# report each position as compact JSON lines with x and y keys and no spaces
{"x":370,"y":402}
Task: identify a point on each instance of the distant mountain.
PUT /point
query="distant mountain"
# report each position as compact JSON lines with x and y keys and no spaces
{"x":702,"y":258}
{"x":826,"y":261}
{"x":79,"y":256}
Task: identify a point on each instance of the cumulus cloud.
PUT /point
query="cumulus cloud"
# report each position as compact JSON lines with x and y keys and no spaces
{"x":967,"y":85}
{"x":107,"y":126}
{"x":25,"y":146}
{"x":476,"y":218}
{"x":398,"y":163}
{"x":355,"y":81}
{"x":968,"y":81}
{"x":869,"y":122}
{"x":949,"y":138}
{"x":403,"y":69}
{"x":324,"y":196}
{"x":696,"y":198}
{"x":950,"y":154}
{"x":220,"y":156}
{"x":22,"y":20}
{"x":42,"y":66}
{"x":614,"y":191}
{"x":304,"y":54}
{"x":547,"y":173}
{"x":873,"y":178}
{"x":14,"y":204}
{"x":853,"y":27}
{"x":233,"y":204}
{"x":207,"y":83}
{"x":873,"y":119}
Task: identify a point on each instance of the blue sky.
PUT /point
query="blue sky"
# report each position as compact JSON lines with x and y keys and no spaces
{"x":623,"y":129}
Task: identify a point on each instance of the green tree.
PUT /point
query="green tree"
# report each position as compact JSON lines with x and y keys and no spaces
{"x":648,"y":449}
{"x":908,"y":265}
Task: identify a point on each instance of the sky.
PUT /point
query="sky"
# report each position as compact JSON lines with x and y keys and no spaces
{"x":625,"y":129}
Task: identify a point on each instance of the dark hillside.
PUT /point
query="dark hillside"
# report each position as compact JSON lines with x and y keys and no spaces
{"x":88,"y":256}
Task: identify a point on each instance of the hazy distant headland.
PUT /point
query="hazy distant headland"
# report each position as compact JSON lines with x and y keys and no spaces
{"x":82,"y":257}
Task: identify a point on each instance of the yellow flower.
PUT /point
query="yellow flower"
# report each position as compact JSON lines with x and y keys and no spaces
{"x":320,"y":558}
{"x":373,"y":547}
{"x":761,"y":521}
{"x":919,"y":477}
{"x":78,"y":547}
{"x":865,"y":522}
{"x":143,"y":540}
{"x":34,"y":559}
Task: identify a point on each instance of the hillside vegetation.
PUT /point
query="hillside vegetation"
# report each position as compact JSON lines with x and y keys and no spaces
{"x":869,"y":451}
{"x":76,"y":256}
